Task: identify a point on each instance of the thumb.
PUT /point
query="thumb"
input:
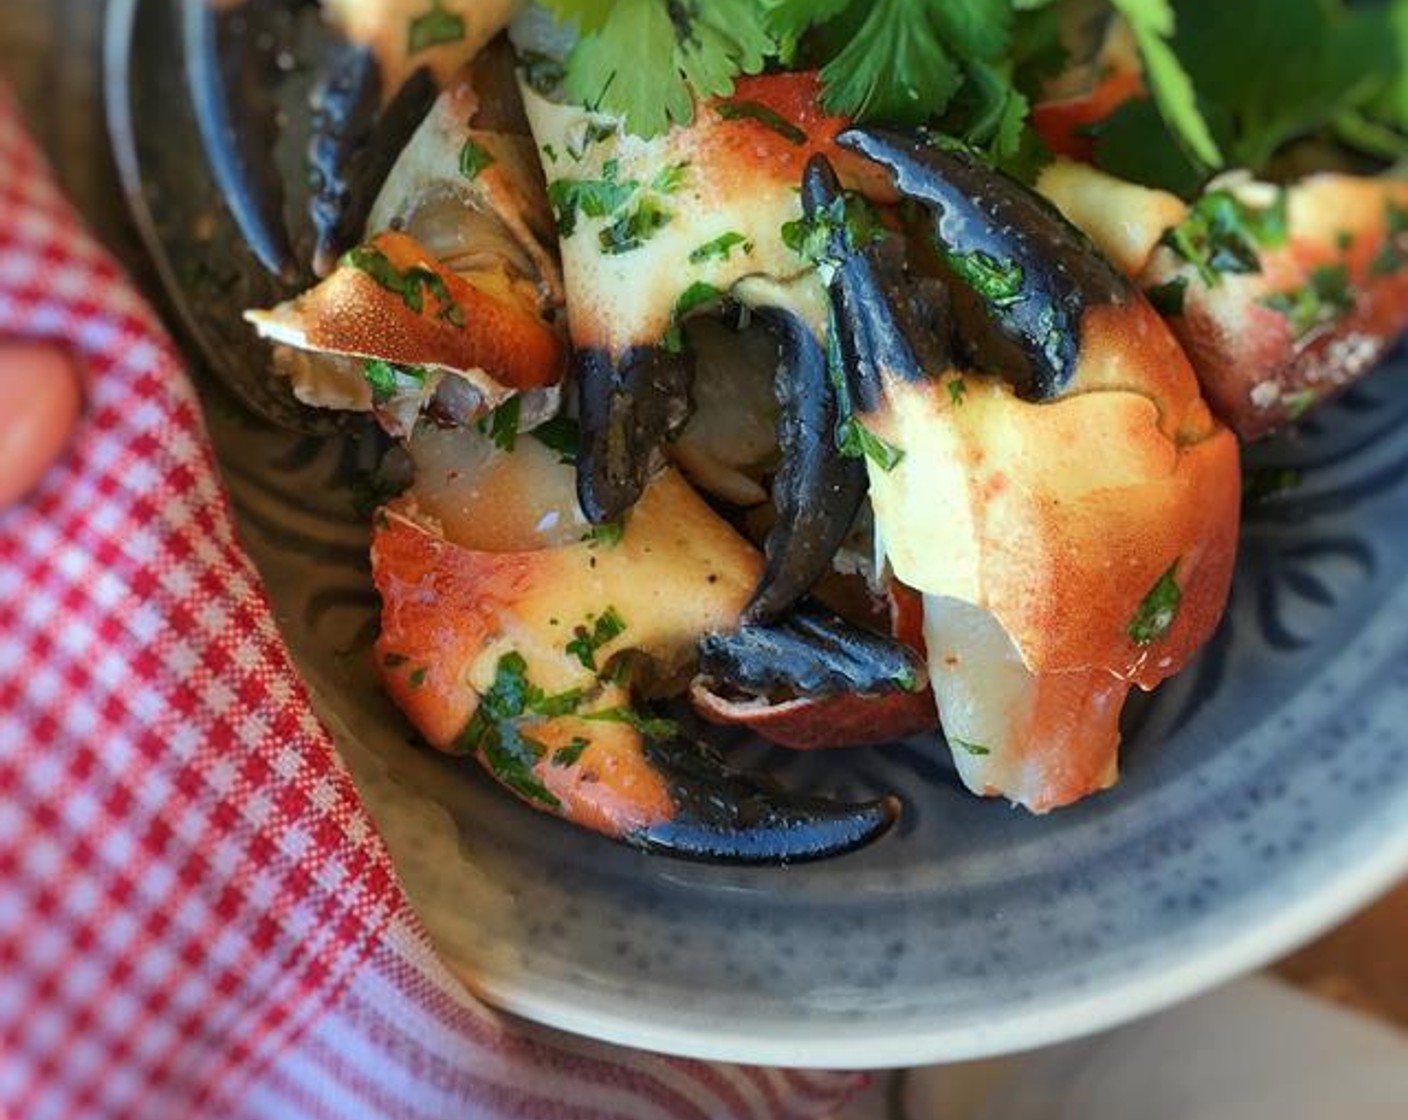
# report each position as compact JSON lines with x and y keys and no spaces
{"x":40,"y":399}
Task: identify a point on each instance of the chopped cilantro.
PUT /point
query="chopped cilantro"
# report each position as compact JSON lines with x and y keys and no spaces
{"x":495,"y":732}
{"x":418,"y":675}
{"x":608,"y":533}
{"x":474,"y":159}
{"x":1158,"y":609}
{"x":572,"y":753}
{"x":559,"y":434}
{"x":558,"y":704}
{"x":501,"y":425}
{"x":388,"y":380}
{"x":999,"y":282}
{"x":968,"y":747}
{"x":855,"y":440}
{"x":691,"y":299}
{"x":433,"y":28}
{"x":1222,"y":234}
{"x":1322,"y":300}
{"x":411,"y":284}
{"x":652,"y":727}
{"x":633,"y":229}
{"x":848,"y":224}
{"x":596,"y":198}
{"x":670,"y":179}
{"x":587,"y":641}
{"x":1297,"y":404}
{"x":1168,"y":298}
{"x":957,"y":390}
{"x":721,"y":247}
{"x":755,"y":111}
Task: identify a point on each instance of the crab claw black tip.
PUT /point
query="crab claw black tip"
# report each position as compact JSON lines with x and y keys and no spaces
{"x":888,"y":325}
{"x":817,"y":491}
{"x":228,"y":65}
{"x":628,"y":407}
{"x":812,"y":652}
{"x":1035,"y":273}
{"x":355,"y":142}
{"x":724,"y":816}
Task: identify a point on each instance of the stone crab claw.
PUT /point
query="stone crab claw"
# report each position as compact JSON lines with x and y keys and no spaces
{"x":1281,"y":295}
{"x":813,"y":680}
{"x":1070,"y":517}
{"x":450,"y":304}
{"x":654,"y":231}
{"x":513,"y":633}
{"x":388,"y":61}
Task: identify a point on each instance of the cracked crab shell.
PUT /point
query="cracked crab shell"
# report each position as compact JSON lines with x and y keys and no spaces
{"x":731,"y":174}
{"x":1059,"y":518}
{"x":1261,"y":369}
{"x":498,"y":343}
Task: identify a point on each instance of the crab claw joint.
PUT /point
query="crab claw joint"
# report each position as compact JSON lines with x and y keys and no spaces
{"x":1069,"y":516}
{"x":654,"y":232}
{"x":523,"y":652}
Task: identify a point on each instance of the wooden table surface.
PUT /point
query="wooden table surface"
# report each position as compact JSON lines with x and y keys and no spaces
{"x":49,"y":51}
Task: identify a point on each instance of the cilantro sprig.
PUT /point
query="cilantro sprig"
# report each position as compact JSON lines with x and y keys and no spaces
{"x":896,"y":61}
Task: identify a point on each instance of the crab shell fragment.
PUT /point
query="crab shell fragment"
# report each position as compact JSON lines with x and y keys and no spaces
{"x":1299,"y":318}
{"x":1322,"y":309}
{"x":733,"y":173}
{"x":460,"y":597}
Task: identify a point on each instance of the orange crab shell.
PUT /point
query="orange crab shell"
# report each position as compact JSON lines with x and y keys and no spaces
{"x":1065,"y":123}
{"x":833,"y":721}
{"x":738,"y":176}
{"x":450,"y":613}
{"x":350,"y":312}
{"x":1255,"y":371}
{"x":1062,"y":538}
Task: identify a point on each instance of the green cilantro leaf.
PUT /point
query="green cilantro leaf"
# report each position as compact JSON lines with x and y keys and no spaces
{"x":1152,"y":22}
{"x":572,"y":753}
{"x":721,"y":248}
{"x":587,"y":641}
{"x":1266,"y":73}
{"x":1322,"y":300}
{"x":652,"y":727}
{"x":501,"y":425}
{"x":855,"y":440}
{"x":388,"y":380}
{"x":1158,"y":610}
{"x":648,"y":60}
{"x":433,"y":28}
{"x":895,"y":68}
{"x":474,"y":159}
{"x":754,"y":111}
{"x":559,"y":434}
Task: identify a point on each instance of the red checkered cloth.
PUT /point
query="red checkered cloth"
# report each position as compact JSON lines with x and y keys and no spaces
{"x":197,"y":917}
